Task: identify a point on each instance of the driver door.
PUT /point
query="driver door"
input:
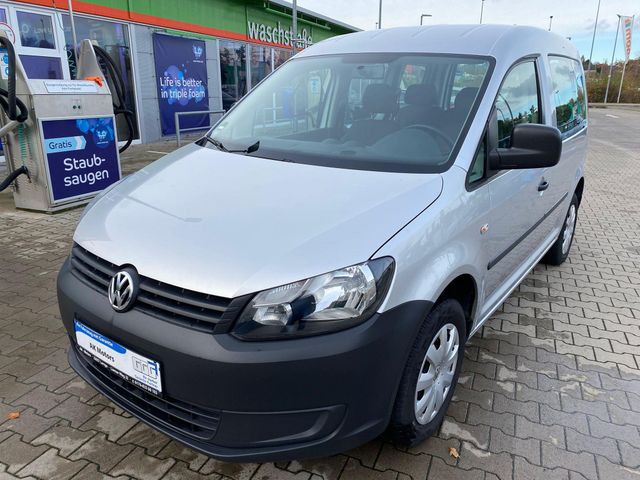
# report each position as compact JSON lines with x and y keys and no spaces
{"x":515,"y":195}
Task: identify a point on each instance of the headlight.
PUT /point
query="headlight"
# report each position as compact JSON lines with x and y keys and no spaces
{"x":326,"y":303}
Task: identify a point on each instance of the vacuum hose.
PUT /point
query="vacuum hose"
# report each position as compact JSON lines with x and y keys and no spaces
{"x":119,"y":107}
{"x":11,"y":104}
{"x":12,"y":176}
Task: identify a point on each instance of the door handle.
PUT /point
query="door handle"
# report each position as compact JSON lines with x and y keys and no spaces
{"x":543,"y":185}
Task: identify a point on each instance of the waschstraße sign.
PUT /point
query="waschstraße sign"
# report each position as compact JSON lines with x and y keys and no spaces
{"x":276,"y":33}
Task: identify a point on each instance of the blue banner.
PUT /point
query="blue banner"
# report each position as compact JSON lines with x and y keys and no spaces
{"x":181,"y":76}
{"x":82,"y":156}
{"x":80,"y":327}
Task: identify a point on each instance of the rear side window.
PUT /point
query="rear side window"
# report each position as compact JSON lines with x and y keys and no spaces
{"x":411,"y":75}
{"x":518,"y":101}
{"x":568,"y":94}
{"x":467,"y":75}
{"x":369,"y":75}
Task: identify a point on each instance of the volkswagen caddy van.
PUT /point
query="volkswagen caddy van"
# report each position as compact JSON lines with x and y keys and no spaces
{"x":304,"y":277}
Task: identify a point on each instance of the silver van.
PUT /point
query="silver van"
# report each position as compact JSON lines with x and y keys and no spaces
{"x":305,"y":276}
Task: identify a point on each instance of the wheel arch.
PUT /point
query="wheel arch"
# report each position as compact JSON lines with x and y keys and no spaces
{"x":464,"y":289}
{"x":579,"y":190}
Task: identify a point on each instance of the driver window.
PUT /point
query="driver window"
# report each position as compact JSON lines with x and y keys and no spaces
{"x":518,"y":101}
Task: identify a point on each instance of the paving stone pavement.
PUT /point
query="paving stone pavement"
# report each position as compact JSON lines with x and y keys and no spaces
{"x":550,"y":388}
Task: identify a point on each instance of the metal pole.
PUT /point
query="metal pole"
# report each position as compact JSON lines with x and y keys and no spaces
{"x":633,"y":18}
{"x":295,"y":26}
{"x":481,"y":11}
{"x":73,"y":32}
{"x":380,"y":15}
{"x":550,"y":21}
{"x":593,"y":40}
{"x":176,"y":116}
{"x":613,"y":55}
{"x":621,"y":80}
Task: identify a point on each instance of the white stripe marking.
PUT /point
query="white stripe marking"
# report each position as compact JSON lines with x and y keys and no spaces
{"x":611,"y":116}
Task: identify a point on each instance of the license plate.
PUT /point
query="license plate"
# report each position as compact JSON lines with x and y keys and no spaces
{"x":132,"y":367}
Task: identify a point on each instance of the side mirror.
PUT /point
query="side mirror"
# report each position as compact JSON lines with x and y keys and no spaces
{"x":532,"y":146}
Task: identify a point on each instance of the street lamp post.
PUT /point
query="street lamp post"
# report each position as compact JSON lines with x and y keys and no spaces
{"x":380,"y":15}
{"x":595,"y":26}
{"x":294,"y":24}
{"x":73,"y":32}
{"x":550,"y":21}
{"x":481,"y":11}
{"x":423,"y":16}
{"x":613,"y":56}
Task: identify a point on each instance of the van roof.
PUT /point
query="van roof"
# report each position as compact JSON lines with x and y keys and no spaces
{"x":504,"y":42}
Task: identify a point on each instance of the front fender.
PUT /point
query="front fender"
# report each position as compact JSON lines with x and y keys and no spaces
{"x":442,"y":243}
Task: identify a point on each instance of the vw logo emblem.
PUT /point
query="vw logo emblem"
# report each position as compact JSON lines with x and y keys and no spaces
{"x":123,"y":289}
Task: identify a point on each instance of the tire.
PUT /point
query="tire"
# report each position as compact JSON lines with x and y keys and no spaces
{"x":559,"y":251}
{"x":405,"y":427}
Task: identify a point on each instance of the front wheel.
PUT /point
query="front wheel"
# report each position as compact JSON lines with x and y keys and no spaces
{"x":559,"y":251}
{"x":430,"y":375}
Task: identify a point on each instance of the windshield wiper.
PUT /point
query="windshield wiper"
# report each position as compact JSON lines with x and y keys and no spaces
{"x":218,"y":144}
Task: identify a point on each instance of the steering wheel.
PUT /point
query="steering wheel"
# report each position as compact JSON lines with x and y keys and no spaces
{"x":438,"y":132}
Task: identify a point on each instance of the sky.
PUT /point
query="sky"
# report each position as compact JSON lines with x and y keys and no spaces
{"x":571,"y":18}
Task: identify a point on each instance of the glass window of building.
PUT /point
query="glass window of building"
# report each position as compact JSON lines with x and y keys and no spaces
{"x":114,"y":39}
{"x":280,"y":56}
{"x":36,"y":66}
{"x":233,"y":72}
{"x":261,"y":63}
{"x":36,"y":30}
{"x":3,"y":19}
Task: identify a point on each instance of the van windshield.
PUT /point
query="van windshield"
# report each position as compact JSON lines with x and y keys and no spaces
{"x":387,"y":112}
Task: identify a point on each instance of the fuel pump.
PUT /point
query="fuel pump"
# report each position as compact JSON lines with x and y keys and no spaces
{"x":59,"y":135}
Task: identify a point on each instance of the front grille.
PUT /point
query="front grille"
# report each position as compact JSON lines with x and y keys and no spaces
{"x":174,"y":414}
{"x":195,"y":310}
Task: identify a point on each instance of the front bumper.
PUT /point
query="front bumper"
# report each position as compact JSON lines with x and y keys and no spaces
{"x":251,"y":401}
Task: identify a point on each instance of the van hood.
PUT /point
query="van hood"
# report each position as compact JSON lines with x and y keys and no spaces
{"x":228,"y":225}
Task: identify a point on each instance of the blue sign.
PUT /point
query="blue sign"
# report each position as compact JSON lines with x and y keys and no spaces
{"x":181,"y":75}
{"x":82,"y":156}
